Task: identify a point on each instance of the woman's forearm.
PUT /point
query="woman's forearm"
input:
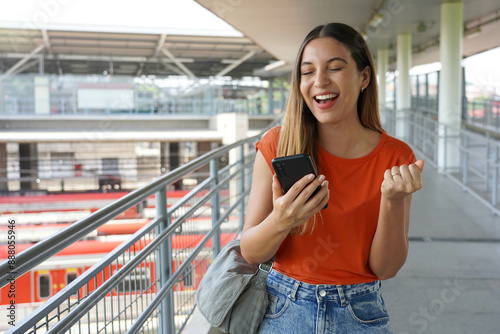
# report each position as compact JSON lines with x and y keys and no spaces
{"x":389,"y":247}
{"x":261,"y":242}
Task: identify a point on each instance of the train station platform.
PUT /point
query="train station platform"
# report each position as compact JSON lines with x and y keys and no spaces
{"x":451,"y":280}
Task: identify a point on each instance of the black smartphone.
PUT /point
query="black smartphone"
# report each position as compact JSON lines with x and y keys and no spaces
{"x":292,"y":168}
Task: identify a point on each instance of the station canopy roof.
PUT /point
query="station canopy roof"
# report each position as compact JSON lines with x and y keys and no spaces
{"x":52,"y":51}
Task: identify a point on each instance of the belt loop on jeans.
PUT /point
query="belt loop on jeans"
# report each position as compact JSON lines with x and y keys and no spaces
{"x":295,"y":287}
{"x":343,"y":300}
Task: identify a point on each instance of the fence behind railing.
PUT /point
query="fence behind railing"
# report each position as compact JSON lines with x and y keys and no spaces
{"x":479,"y":153}
{"x":147,"y":284}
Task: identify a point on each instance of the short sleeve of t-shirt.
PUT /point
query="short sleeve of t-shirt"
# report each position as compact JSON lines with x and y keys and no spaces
{"x":268,"y":145}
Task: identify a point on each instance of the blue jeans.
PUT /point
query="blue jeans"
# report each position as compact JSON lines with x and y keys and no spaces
{"x":301,"y":308}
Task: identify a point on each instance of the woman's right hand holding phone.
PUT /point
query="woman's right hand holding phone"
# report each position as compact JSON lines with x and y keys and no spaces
{"x":296,"y":207}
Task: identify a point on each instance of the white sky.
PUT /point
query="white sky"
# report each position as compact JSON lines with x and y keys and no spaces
{"x":143,"y":16}
{"x":482,"y":69}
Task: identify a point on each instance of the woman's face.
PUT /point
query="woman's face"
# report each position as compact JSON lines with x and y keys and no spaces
{"x":330,"y":82}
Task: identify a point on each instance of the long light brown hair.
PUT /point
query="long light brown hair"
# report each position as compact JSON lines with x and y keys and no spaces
{"x":299,"y":131}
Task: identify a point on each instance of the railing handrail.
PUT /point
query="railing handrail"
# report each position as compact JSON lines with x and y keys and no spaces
{"x":47,"y":248}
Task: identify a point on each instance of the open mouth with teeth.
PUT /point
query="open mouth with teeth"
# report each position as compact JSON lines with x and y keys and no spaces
{"x":325,"y":101}
{"x":325,"y":98}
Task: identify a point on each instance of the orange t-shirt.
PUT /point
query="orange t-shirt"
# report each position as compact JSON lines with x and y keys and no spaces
{"x":337,"y":251}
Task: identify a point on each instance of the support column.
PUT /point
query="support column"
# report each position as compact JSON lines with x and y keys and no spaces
{"x":382,"y":64}
{"x":450,"y":84}
{"x":233,"y":127}
{"x":282,"y":97}
{"x":4,"y":184}
{"x":202,"y":148}
{"x":164,"y":157}
{"x":175,"y":160}
{"x":270,"y":100}
{"x":28,"y":166}
{"x":403,"y":93}
{"x":42,"y":95}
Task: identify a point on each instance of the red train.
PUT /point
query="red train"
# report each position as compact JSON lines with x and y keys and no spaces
{"x":53,"y":275}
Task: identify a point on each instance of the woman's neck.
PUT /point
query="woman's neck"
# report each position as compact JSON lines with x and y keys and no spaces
{"x":347,"y":142}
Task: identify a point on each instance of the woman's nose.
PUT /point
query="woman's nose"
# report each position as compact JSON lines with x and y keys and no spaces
{"x":321,"y":79}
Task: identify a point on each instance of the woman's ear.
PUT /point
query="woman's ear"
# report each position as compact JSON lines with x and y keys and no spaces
{"x":365,"y":77}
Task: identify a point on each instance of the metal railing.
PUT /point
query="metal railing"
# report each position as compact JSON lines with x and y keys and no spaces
{"x":477,"y":168}
{"x":484,"y":113}
{"x":148,"y":283}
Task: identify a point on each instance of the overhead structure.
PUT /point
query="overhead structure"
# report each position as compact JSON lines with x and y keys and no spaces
{"x":271,"y":29}
{"x":279,"y":26}
{"x":131,"y":54}
{"x":178,"y":63}
{"x":237,"y":63}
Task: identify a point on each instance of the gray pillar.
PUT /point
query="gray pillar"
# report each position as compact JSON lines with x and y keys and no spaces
{"x":164,"y":157}
{"x":450,"y":81}
{"x":175,"y":161}
{"x":4,"y":185}
{"x":28,"y":166}
{"x":382,"y":64}
{"x":403,"y":99}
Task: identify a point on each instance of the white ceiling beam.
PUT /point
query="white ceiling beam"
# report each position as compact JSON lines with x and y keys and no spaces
{"x":46,"y":40}
{"x":139,"y":70}
{"x":22,"y":61}
{"x":170,"y":67}
{"x":178,"y":63}
{"x":25,"y":66}
{"x":236,"y":64}
{"x":159,"y":46}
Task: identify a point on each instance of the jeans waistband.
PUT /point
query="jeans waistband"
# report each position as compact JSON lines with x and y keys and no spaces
{"x":298,"y":289}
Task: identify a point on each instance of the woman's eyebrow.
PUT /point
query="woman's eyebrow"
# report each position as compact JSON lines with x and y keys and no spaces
{"x":328,"y":61}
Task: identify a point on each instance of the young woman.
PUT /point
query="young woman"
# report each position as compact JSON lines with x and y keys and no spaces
{"x":329,"y":263}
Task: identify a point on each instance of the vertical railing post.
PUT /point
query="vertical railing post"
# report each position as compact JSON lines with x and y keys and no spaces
{"x":465,"y":160}
{"x":494,"y":195}
{"x":164,"y":265}
{"x":214,"y":175}
{"x":487,"y":170}
{"x":414,"y":126}
{"x":241,"y":185}
{"x":445,"y":151}
{"x":436,"y":143}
